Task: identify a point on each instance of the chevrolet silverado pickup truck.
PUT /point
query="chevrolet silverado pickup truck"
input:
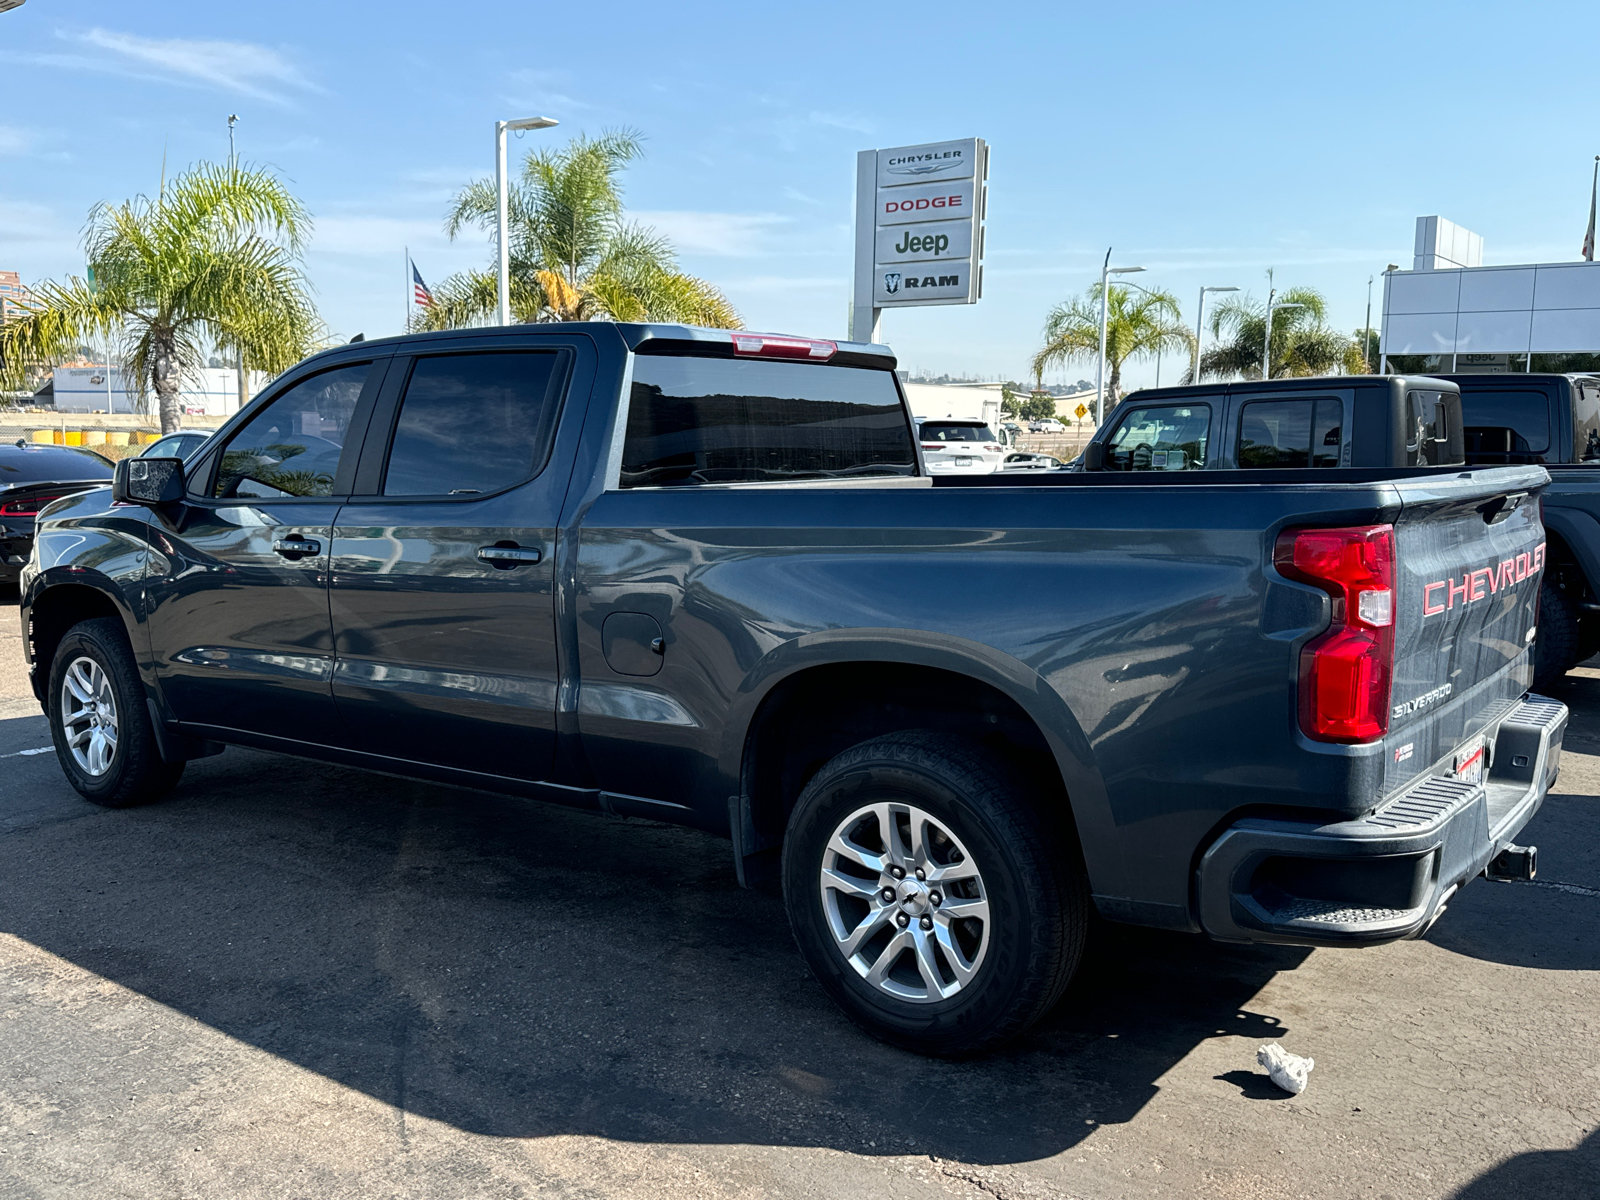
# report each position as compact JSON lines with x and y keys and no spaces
{"x":704,"y":577}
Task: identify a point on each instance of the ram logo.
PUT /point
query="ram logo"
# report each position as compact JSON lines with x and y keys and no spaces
{"x":891,"y":282}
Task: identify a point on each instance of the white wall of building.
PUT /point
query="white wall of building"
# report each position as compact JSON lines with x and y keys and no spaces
{"x":941,"y":401}
{"x":215,"y":392}
{"x":1547,"y":308}
{"x":1443,"y":244}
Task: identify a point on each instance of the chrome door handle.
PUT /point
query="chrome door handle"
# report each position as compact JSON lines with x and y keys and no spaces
{"x":296,"y":547}
{"x":505,"y":557}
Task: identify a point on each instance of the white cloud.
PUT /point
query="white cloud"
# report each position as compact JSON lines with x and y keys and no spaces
{"x":39,"y":243}
{"x":366,"y":234}
{"x":14,"y":140}
{"x":542,"y":90}
{"x":735,"y":235}
{"x":243,"y":67}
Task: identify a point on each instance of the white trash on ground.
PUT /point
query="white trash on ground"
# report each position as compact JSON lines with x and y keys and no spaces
{"x":1288,"y":1071}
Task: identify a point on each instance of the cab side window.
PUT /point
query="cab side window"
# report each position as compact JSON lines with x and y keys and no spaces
{"x":1290,"y":433}
{"x":1585,"y":420}
{"x":1169,"y":438}
{"x":292,"y":446}
{"x":471,"y":424}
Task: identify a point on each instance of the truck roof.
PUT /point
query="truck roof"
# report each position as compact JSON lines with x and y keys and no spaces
{"x":686,"y":339}
{"x":1295,"y":384}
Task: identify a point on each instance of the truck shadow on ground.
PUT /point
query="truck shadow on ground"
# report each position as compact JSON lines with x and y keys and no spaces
{"x":1536,"y":924}
{"x":520,"y":970}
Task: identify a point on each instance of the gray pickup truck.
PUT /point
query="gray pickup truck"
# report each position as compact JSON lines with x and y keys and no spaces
{"x":704,"y":577}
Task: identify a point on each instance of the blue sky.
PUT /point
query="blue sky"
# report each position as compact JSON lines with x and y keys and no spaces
{"x":1205,"y":142}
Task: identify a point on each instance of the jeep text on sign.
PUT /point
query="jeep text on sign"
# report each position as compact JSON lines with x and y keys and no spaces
{"x":926,"y":202}
{"x":941,"y":240}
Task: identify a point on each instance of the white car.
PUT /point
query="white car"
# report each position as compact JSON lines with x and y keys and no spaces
{"x":960,"y":448}
{"x":1047,"y":425}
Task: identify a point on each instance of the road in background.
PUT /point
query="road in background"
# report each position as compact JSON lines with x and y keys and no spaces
{"x":293,"y":980}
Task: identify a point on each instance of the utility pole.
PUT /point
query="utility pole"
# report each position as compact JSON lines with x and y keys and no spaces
{"x":238,"y":355}
{"x":1366,"y":331}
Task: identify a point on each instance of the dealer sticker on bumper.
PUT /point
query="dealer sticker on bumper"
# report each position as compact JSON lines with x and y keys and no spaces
{"x":1469,"y":763}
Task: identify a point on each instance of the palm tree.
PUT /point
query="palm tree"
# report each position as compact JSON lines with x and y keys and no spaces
{"x":573,"y":255}
{"x":1302,"y":342}
{"x":1139,"y":324}
{"x":213,"y":261}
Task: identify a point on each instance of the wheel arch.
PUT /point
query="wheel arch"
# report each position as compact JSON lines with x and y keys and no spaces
{"x":817,"y":695}
{"x":53,"y":605}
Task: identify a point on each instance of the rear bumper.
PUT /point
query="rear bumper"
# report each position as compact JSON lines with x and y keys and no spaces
{"x":1389,"y":875}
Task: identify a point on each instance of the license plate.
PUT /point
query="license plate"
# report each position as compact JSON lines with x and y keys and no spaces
{"x":963,"y":462}
{"x":1469,"y":764}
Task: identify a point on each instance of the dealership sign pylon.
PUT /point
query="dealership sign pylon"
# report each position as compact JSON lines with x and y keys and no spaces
{"x":919,"y":229}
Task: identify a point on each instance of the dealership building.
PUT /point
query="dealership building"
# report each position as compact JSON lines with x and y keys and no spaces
{"x":1452,"y":313}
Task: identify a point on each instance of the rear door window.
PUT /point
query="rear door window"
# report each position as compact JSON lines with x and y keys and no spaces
{"x":1291,"y":433}
{"x":292,"y":446}
{"x":1169,"y":438}
{"x":471,"y":424}
{"x":694,"y":421}
{"x":1586,"y":420}
{"x":1507,"y":425}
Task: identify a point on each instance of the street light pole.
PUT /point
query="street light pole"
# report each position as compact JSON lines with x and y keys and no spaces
{"x":500,"y":129}
{"x":1199,"y":317}
{"x":1366,"y":331}
{"x":1266,"y":342}
{"x":1106,"y":271}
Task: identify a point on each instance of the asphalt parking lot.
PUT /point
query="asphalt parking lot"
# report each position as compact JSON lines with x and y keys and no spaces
{"x":296,"y":981}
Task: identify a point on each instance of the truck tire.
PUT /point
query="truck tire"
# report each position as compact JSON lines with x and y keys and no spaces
{"x":938,"y":907}
{"x":99,"y":721}
{"x":1555,"y":650}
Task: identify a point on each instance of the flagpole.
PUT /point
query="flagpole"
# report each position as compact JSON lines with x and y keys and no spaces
{"x":1588,"y":237}
{"x":405,"y":325}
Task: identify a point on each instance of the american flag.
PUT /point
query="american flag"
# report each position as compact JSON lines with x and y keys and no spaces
{"x":419,"y":289}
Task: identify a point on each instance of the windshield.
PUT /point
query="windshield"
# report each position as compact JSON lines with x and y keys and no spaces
{"x":50,"y":464}
{"x":957,"y":433}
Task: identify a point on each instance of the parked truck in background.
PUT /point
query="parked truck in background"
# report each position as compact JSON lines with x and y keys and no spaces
{"x":705,"y":577}
{"x":1554,"y":421}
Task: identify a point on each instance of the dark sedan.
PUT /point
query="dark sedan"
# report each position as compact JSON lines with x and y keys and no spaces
{"x":30,"y":477}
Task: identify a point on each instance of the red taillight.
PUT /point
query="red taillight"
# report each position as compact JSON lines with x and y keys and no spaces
{"x":1345,"y":673}
{"x":29,"y":507}
{"x":765,"y":345}
{"x":933,"y":445}
{"x":995,"y":449}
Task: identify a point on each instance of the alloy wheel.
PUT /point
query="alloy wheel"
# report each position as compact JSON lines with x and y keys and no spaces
{"x":89,"y":716}
{"x":905,"y":902}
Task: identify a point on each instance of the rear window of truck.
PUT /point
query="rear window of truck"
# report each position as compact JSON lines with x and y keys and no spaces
{"x":1168,"y":438}
{"x":716,"y":420}
{"x":1509,"y":425}
{"x":1291,"y":433}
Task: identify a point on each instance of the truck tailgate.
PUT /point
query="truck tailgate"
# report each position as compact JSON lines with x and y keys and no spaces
{"x":1470,"y":556}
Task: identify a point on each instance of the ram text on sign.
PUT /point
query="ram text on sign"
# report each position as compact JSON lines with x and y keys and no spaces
{"x":926,"y":202}
{"x":910,"y":283}
{"x":942,"y":240}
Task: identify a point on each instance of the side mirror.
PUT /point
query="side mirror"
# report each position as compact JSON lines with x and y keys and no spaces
{"x":151,"y":481}
{"x":1094,"y":456}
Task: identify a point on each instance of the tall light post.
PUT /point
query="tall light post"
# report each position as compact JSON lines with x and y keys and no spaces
{"x":1366,"y":331}
{"x":1266,"y":342}
{"x":500,"y":128}
{"x":1199,"y":317}
{"x":1106,"y":272}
